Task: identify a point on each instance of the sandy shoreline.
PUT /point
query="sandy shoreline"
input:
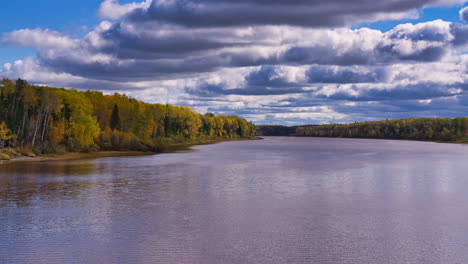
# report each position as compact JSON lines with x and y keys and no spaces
{"x":75,"y":156}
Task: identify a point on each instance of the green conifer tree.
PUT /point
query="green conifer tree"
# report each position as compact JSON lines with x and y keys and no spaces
{"x":115,"y":118}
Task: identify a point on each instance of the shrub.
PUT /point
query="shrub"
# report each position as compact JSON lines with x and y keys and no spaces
{"x":30,"y":154}
{"x":4,"y":156}
{"x":11,"y":152}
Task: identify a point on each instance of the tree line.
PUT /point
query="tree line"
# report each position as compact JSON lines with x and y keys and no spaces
{"x":275,"y":130}
{"x":50,"y":120}
{"x":432,"y":129}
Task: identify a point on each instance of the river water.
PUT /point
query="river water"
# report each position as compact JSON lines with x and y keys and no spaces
{"x":278,"y":200}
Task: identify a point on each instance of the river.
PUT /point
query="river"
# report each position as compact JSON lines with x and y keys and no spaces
{"x":278,"y":200}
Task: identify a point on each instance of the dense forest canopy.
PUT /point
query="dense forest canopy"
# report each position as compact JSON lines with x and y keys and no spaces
{"x":434,"y":129}
{"x":275,"y":130}
{"x":49,"y":120}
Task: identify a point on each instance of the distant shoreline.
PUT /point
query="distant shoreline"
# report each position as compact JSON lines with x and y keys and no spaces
{"x":443,"y":130}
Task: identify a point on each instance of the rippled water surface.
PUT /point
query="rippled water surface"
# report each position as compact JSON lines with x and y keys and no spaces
{"x":279,"y":200}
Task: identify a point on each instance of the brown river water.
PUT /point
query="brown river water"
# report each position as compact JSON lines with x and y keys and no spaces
{"x":278,"y":200}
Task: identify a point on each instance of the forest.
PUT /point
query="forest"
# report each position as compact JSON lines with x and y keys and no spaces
{"x":40,"y":120}
{"x":275,"y":130}
{"x":431,"y":129}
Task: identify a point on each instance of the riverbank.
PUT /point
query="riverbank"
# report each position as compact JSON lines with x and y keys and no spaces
{"x":75,"y":156}
{"x":168,"y":148}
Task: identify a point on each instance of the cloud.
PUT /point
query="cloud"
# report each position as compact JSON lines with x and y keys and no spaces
{"x":460,"y":34}
{"x":275,"y":76}
{"x":423,"y":42}
{"x":210,"y":90}
{"x":318,"y":115}
{"x":264,"y":80}
{"x":411,"y":91}
{"x":29,"y":70}
{"x":464,"y":14}
{"x":113,"y":10}
{"x":125,"y":51}
{"x":39,"y":39}
{"x":316,"y":13}
{"x":355,"y":74}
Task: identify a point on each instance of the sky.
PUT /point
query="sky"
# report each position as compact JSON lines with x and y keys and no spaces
{"x":286,"y":62}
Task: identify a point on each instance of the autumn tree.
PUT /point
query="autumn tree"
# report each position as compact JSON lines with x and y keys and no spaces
{"x":5,"y":135}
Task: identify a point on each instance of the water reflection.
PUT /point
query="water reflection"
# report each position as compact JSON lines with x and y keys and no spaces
{"x":53,"y":168}
{"x":21,"y":183}
{"x":281,"y":200}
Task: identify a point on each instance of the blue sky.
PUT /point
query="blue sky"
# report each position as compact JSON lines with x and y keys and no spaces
{"x":71,"y":16}
{"x":425,"y":15}
{"x":75,"y":18}
{"x":276,"y":62}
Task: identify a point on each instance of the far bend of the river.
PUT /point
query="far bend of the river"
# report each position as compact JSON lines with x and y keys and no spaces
{"x":278,"y":200}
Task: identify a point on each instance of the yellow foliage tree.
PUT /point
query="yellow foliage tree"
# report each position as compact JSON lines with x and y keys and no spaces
{"x":5,"y":134}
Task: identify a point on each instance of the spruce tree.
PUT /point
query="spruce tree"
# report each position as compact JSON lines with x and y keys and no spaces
{"x":115,"y":118}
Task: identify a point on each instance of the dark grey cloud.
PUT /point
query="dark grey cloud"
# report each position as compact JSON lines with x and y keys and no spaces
{"x":428,"y":54}
{"x":268,"y":76}
{"x":152,"y":41}
{"x":328,"y":55}
{"x":217,"y":90}
{"x":382,"y":53}
{"x":404,"y":109}
{"x":460,"y":34}
{"x":314,"y":13}
{"x":266,"y":80}
{"x":324,"y":74}
{"x":418,"y":91}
